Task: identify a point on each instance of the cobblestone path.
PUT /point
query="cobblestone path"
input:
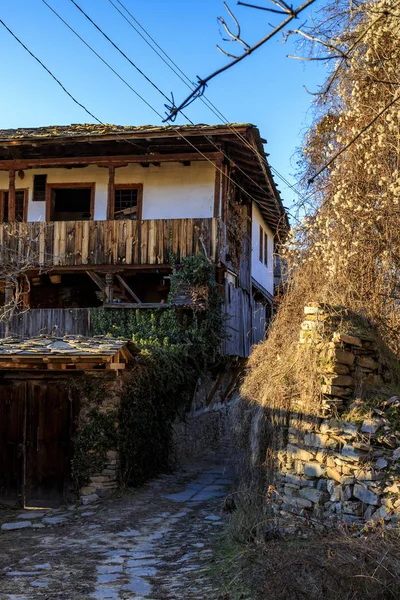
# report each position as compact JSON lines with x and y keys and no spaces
{"x":155,"y":543}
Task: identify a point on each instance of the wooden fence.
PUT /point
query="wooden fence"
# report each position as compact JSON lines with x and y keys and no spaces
{"x":245,"y":321}
{"x":57,"y":321}
{"x":125,"y":242}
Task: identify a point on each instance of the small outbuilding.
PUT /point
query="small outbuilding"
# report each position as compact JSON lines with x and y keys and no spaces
{"x":39,"y":410}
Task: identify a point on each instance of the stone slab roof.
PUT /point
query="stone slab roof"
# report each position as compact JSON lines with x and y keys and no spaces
{"x":68,"y":345}
{"x":87,"y":129}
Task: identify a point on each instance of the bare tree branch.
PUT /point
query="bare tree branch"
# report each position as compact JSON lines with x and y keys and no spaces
{"x":353,"y":139}
{"x":310,"y":37}
{"x":202,"y":82}
{"x":234,"y":38}
{"x":273,"y":10}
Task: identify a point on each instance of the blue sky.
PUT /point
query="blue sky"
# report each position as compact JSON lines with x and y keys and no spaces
{"x":266,"y":89}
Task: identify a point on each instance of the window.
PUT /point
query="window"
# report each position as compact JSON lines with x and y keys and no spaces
{"x":70,"y":202}
{"x":127,"y":202}
{"x":39,"y":188}
{"x":263,"y":247}
{"x":20,"y":204}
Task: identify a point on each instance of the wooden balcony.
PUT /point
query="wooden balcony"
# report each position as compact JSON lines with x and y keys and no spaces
{"x":125,"y":242}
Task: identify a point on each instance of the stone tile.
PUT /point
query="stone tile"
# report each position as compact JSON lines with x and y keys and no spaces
{"x":138,"y":585}
{"x":16,"y":525}
{"x":181,"y":496}
{"x":107,"y":578}
{"x":54,"y":520}
{"x":33,"y":514}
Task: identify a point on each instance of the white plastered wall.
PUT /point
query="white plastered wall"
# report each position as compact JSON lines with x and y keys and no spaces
{"x":261,"y":272}
{"x":173,"y":191}
{"x":170,"y":191}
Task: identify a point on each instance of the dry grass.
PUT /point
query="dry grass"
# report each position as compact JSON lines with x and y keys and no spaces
{"x":332,"y":567}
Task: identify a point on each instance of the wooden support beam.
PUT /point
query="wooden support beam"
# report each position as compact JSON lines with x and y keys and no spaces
{"x":128,"y":289}
{"x":111,"y":192}
{"x":136,"y":305}
{"x":109,"y":288}
{"x":98,"y":280}
{"x":11,"y":195}
{"x":217,"y":189}
{"x":26,"y":163}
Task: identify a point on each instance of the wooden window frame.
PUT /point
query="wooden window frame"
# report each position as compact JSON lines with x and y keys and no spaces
{"x":265,"y":248}
{"x":261,"y":244}
{"x":128,"y":186}
{"x":25,"y":210}
{"x":54,"y":186}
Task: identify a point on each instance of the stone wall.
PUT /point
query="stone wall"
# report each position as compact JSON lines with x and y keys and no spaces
{"x":208,"y":424}
{"x":343,"y":463}
{"x":101,"y":483}
{"x":202,"y":430}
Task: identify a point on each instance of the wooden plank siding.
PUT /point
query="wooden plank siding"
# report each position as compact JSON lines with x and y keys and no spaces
{"x":245,"y":321}
{"x":77,"y":243}
{"x":57,"y":321}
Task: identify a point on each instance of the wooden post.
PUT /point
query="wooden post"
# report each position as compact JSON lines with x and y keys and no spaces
{"x":217,"y":189}
{"x":25,"y":295}
{"x":109,"y":288}
{"x":111,"y":192}
{"x":225,"y":191}
{"x":8,"y":300}
{"x":11,"y":195}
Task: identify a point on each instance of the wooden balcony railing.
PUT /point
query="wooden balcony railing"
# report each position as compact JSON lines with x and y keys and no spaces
{"x":75,"y":243}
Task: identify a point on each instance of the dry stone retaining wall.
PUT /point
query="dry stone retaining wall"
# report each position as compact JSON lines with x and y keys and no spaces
{"x":332,"y":465}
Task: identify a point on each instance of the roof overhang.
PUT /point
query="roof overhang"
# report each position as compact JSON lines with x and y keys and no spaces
{"x":238,"y":144}
{"x":68,"y":353}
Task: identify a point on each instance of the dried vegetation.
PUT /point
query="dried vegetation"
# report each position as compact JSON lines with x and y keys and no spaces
{"x":344,"y":253}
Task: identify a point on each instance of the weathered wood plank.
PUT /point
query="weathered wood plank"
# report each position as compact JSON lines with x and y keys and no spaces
{"x":58,"y":321}
{"x":77,"y":243}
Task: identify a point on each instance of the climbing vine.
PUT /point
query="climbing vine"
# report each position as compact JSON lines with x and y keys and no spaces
{"x":96,"y":431}
{"x":176,"y":345}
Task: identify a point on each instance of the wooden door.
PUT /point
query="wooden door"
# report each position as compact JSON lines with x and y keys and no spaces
{"x":12,"y":418}
{"x":49,"y":430}
{"x":36,"y":429}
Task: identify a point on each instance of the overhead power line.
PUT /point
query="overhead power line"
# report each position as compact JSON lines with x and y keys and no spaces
{"x":51,"y":74}
{"x":142,"y":73}
{"x":187,"y":81}
{"x":91,"y":114}
{"x":202,"y":84}
{"x":174,"y":67}
{"x":131,"y":62}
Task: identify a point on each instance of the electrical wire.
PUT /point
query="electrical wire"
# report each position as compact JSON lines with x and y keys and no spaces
{"x":51,"y":74}
{"x":93,"y":116}
{"x":218,"y":148}
{"x":187,"y":81}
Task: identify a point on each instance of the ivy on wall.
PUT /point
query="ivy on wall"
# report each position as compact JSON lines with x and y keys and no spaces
{"x":176,"y":346}
{"x":96,"y":432}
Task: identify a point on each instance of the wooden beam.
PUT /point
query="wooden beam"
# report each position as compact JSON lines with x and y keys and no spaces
{"x":128,"y":289}
{"x":109,"y":287}
{"x":98,"y":280}
{"x":26,"y":163}
{"x":111,"y":192}
{"x":217,"y":189}
{"x":11,"y":195}
{"x":135,"y":305}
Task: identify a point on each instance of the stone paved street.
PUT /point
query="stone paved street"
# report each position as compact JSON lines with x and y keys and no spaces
{"x":154,"y":543}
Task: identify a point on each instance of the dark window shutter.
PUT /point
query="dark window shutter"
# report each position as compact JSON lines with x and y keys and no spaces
{"x":39,"y":188}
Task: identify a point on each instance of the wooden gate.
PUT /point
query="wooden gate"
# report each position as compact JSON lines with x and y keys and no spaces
{"x":36,"y":427}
